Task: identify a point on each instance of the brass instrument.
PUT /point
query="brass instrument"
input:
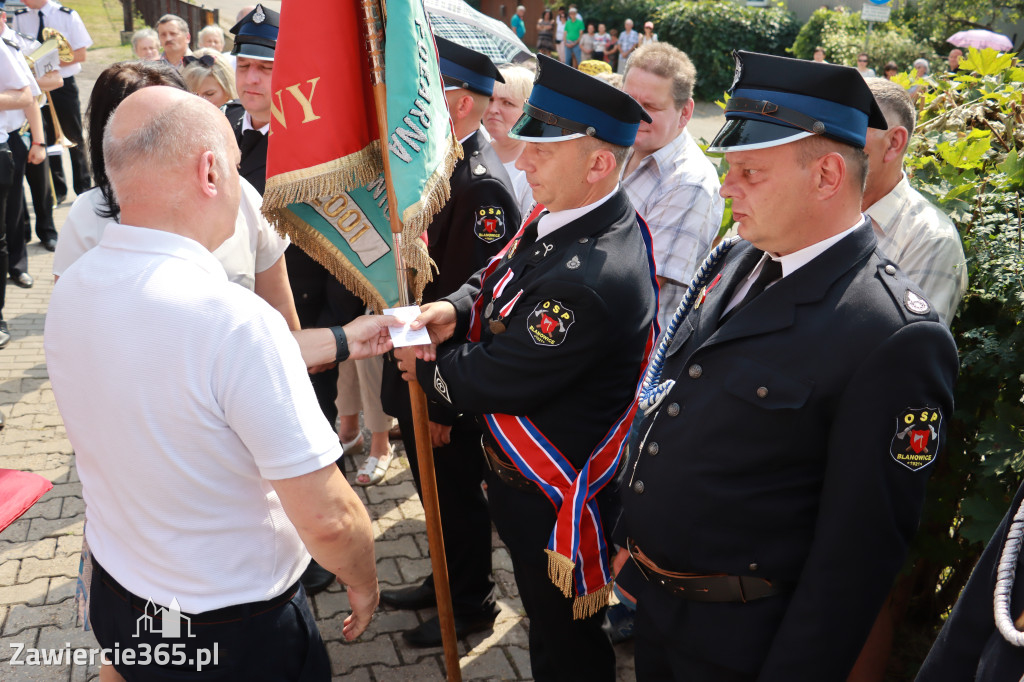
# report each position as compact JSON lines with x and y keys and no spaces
{"x":42,"y":61}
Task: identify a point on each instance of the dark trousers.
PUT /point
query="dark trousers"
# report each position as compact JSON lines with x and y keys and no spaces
{"x":38,"y":177}
{"x":69,"y":114}
{"x":661,"y":657}
{"x":16,"y":253}
{"x":275,"y":640}
{"x":465,"y":522}
{"x":561,"y":648}
{"x":6,"y":177}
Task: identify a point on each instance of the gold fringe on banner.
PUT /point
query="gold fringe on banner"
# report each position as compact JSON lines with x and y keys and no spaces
{"x":324,"y":180}
{"x":320,"y":249}
{"x":436,"y":193}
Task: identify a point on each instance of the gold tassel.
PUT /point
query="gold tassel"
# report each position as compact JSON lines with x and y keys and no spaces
{"x":323,"y":180}
{"x":436,"y":192}
{"x":560,"y":570}
{"x":584,"y":606}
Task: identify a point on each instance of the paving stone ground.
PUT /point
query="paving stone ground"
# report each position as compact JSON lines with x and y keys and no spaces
{"x":40,"y":553}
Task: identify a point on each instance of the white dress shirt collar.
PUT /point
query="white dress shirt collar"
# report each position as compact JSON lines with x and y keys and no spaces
{"x":549,"y":222}
{"x":247,"y":124}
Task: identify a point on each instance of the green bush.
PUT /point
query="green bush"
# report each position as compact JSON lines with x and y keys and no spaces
{"x":968,"y":155}
{"x":843,"y":35}
{"x":708,"y":31}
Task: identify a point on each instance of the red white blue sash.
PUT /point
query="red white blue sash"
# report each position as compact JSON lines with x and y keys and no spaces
{"x":576,"y":548}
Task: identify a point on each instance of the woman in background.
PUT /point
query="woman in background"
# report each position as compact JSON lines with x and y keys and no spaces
{"x":546,"y":33}
{"x":505,"y":108}
{"x":207,"y":75}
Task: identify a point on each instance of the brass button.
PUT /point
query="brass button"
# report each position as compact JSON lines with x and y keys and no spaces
{"x":673,"y":410}
{"x":890,"y":269}
{"x":583,"y":240}
{"x":753,"y":567}
{"x":695,"y":371}
{"x":652,"y":448}
{"x":762,"y":392}
{"x":638,"y":487}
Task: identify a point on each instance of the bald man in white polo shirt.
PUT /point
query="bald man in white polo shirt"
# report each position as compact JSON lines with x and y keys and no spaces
{"x":205,"y":463}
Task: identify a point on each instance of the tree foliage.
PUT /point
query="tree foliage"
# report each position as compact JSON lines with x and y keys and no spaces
{"x":968,"y":156}
{"x":844,"y":35}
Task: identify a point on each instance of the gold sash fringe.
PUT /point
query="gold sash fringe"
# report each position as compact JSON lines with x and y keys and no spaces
{"x":560,"y":570}
{"x":323,"y":180}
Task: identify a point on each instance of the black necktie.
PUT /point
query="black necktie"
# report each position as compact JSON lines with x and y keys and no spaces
{"x":39,"y":34}
{"x":250,"y":138}
{"x":770,"y":272}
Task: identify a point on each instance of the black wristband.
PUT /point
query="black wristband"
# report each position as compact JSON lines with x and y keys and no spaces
{"x":341,"y":343}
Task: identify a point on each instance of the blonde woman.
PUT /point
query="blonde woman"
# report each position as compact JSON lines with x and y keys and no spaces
{"x":504,"y":109}
{"x":207,"y":75}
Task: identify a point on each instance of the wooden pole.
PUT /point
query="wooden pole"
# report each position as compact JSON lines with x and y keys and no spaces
{"x":373,"y":14}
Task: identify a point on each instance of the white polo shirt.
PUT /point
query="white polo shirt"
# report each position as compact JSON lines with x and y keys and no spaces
{"x":64,"y":19}
{"x":14,"y":75}
{"x":183,"y":395}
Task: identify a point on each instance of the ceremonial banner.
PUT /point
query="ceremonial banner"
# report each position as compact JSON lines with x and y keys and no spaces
{"x":325,"y":186}
{"x":421,"y":143}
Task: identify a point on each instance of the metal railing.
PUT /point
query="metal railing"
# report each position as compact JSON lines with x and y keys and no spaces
{"x":196,"y":16}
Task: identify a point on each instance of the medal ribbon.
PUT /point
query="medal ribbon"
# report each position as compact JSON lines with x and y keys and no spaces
{"x":576,"y":547}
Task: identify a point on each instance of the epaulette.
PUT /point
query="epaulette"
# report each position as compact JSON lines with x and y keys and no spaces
{"x":907,"y":297}
{"x":23,"y":10}
{"x":475,"y":166}
{"x":11,"y":44}
{"x":67,"y":10}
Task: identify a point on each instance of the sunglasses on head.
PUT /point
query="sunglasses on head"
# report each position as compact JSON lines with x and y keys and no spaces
{"x":207,"y":60}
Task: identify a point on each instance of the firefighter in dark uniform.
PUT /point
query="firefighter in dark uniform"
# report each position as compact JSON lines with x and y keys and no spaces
{"x":255,"y":43}
{"x":779,"y":480}
{"x":546,"y":348}
{"x":983,"y":638}
{"x":472,"y":227}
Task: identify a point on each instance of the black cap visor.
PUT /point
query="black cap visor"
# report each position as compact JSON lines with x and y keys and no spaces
{"x":532,"y":129}
{"x":741,"y":134}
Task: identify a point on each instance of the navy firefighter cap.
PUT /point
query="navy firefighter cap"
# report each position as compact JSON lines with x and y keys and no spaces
{"x":566,"y":104}
{"x":256,"y":34}
{"x":462,"y":67}
{"x":778,"y":100}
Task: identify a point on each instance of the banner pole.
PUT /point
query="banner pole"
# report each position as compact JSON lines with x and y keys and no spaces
{"x":374,"y":16}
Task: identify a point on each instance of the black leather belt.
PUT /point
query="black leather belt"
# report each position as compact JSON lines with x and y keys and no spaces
{"x":228,"y":614}
{"x":507,"y":472}
{"x":715,"y":587}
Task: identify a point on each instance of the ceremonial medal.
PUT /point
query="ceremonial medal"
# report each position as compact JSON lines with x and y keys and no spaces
{"x":489,"y":309}
{"x":497,"y":327}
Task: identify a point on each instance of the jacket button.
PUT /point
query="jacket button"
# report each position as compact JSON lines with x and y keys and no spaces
{"x":476,"y":153}
{"x":583,"y":240}
{"x":890,"y":270}
{"x":673,"y":410}
{"x":695,"y":371}
{"x":652,"y":449}
{"x":752,"y":567}
{"x":762,"y":392}
{"x":638,"y":487}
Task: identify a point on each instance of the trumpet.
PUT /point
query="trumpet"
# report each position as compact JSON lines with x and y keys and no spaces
{"x":42,"y":61}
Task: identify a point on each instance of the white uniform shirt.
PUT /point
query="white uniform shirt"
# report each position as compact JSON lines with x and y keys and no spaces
{"x":253,"y":248}
{"x":14,"y":75}
{"x":183,"y":396}
{"x":63,"y":19}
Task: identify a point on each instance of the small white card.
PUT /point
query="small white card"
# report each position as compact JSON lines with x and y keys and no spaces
{"x":403,"y":336}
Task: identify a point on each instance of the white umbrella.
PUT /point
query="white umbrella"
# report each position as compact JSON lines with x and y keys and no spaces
{"x":460,"y":23}
{"x":980,"y":38}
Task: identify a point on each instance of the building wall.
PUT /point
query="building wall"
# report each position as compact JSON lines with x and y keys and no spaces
{"x":503,"y":10}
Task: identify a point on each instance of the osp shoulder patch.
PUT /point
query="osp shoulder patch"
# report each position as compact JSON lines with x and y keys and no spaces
{"x":916,"y":441}
{"x":549,"y":323}
{"x":440,"y":386}
{"x":490,"y":223}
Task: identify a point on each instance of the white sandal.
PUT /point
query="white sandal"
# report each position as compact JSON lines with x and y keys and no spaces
{"x":354,"y":446}
{"x":374,"y":468}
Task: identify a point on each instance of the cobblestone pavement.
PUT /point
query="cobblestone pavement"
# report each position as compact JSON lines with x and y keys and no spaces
{"x":40,"y":553}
